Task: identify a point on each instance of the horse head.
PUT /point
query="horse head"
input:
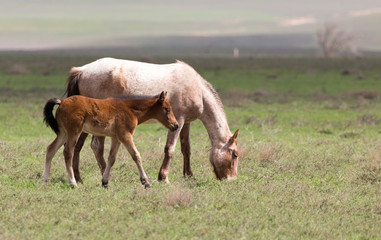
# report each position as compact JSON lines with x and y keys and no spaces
{"x":225,"y":160}
{"x":165,"y":114}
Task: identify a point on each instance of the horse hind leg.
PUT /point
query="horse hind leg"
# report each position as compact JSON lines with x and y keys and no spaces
{"x":68,"y":154}
{"x":77,"y":150}
{"x":186,"y":150}
{"x":97,"y":145}
{"x":50,"y":152}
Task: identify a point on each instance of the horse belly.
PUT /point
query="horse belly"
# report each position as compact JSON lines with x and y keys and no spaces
{"x":99,"y":129}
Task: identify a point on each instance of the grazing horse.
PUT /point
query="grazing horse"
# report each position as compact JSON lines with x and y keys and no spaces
{"x":113,"y":117}
{"x":191,"y":98}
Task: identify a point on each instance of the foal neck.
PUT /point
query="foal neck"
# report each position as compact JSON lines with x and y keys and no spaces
{"x":142,"y":108}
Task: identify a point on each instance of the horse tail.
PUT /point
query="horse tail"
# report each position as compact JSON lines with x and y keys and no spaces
{"x":48,"y":114}
{"x":72,"y":82}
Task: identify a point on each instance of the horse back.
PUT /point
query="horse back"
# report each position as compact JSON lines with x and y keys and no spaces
{"x":108,"y":77}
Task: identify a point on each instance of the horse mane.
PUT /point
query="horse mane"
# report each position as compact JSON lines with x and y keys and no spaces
{"x":214,"y":93}
{"x":206,"y":84}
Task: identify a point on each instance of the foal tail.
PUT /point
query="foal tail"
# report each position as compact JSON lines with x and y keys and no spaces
{"x":72,"y":82}
{"x":48,"y":114}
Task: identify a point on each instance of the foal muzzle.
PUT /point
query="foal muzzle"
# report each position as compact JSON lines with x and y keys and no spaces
{"x":174,"y":127}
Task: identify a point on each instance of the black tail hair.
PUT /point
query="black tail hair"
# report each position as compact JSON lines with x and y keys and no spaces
{"x":48,"y":114}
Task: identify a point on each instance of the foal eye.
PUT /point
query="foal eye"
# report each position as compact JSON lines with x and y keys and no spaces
{"x":167,"y":110}
{"x":234,"y":155}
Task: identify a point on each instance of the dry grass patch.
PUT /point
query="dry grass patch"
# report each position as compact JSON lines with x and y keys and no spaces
{"x":360,"y":95}
{"x":178,"y":196}
{"x":268,"y":154}
{"x":371,"y":166}
{"x":368,"y":119}
{"x":20,"y":69}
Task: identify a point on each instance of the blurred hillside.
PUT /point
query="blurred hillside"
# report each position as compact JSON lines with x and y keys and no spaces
{"x":184,"y":28}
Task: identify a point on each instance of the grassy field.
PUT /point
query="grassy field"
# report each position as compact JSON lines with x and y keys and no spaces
{"x":310,"y":158}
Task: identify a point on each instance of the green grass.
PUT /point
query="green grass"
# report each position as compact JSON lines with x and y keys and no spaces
{"x":310,"y":160}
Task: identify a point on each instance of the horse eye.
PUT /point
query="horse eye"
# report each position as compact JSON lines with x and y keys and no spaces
{"x":167,"y":110}
{"x":234,"y":155}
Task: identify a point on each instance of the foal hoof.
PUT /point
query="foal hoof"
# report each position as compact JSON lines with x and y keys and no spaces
{"x":147,"y":186}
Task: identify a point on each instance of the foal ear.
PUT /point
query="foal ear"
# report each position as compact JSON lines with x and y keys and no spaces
{"x":163,"y":96}
{"x":234,"y":137}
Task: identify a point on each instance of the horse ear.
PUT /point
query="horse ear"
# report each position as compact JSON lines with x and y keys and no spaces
{"x":162,"y":97}
{"x":234,"y":137}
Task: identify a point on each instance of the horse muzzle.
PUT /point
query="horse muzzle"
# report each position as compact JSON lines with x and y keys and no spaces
{"x":174,"y":127}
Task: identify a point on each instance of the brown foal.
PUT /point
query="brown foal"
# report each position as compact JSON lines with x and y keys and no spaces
{"x":114,"y":117}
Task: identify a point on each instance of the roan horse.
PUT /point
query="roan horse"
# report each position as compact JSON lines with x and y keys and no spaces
{"x":191,"y":98}
{"x":113,"y":117}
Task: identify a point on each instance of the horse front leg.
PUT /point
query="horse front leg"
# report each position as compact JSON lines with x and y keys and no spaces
{"x":97,"y":145}
{"x":130,"y":146}
{"x":169,"y":152}
{"x":186,"y":150}
{"x":77,"y":150}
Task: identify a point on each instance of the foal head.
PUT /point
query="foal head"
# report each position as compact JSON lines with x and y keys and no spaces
{"x":225,"y":159}
{"x":163,"y":112}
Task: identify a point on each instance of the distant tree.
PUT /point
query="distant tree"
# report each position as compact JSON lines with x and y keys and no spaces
{"x":334,"y":40}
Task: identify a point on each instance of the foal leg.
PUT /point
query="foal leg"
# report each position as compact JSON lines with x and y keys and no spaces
{"x":97,"y":145}
{"x":185,"y":150}
{"x":50,"y":152}
{"x":129,"y":144}
{"x":169,"y":151}
{"x":68,"y":154}
{"x":111,"y":160}
{"x":77,"y":150}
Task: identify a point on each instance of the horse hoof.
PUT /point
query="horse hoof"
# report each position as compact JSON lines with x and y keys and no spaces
{"x":147,"y":185}
{"x":190,"y":178}
{"x":104,"y":184}
{"x":163,"y":179}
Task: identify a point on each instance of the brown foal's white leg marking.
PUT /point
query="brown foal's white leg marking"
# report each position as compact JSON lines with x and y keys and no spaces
{"x":50,"y":152}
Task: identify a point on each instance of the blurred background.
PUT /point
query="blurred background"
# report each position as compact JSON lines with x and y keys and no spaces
{"x":193,"y":28}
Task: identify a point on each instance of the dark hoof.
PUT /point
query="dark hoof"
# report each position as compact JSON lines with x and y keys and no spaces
{"x":147,"y":186}
{"x":78,"y":177}
{"x":104,"y":184}
{"x":191,"y":178}
{"x":162,"y":178}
